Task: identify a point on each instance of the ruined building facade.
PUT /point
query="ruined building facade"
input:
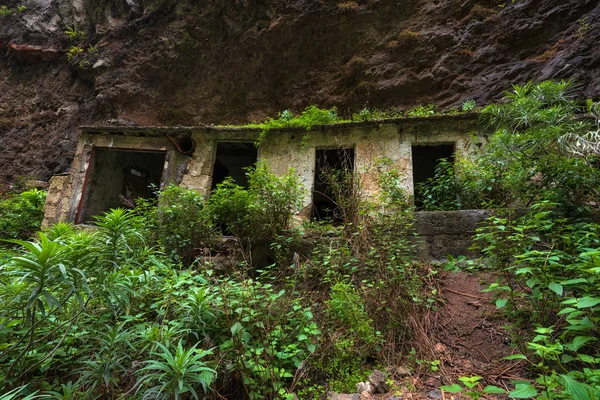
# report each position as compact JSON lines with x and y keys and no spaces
{"x":114,"y":165}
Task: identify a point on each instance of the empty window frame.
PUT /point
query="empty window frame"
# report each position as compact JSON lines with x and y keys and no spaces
{"x":333,"y":183}
{"x":425,"y":159}
{"x":233,"y":159}
{"x":117,"y":177}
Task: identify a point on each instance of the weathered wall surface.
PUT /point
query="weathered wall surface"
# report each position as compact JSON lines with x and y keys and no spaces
{"x":282,"y":150}
{"x":443,"y":233}
{"x":175,"y":164}
{"x":371,"y":142}
{"x":57,"y":201}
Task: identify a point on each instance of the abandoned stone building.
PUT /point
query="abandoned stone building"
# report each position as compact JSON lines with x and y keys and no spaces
{"x":115,"y":164}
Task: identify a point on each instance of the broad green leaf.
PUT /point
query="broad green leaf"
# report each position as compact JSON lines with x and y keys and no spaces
{"x":523,"y":391}
{"x":586,"y":358}
{"x":576,"y":389}
{"x":556,"y":288}
{"x":579,"y":342}
{"x":235,"y":328}
{"x":574,"y":281}
{"x":501,"y":302}
{"x":567,"y":358}
{"x":455,"y":388}
{"x":531,"y":282}
{"x":587,"y":301}
{"x":523,"y":270}
{"x":566,"y":310}
{"x":493,"y":389}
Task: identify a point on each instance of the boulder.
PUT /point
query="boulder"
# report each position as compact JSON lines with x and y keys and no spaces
{"x":377,"y":381}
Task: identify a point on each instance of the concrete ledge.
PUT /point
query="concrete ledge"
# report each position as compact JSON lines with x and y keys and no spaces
{"x":443,"y":233}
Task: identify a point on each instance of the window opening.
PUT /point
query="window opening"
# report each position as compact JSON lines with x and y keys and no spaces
{"x":424,"y":161}
{"x":331,"y":183}
{"x":233,"y":159}
{"x":118,"y":178}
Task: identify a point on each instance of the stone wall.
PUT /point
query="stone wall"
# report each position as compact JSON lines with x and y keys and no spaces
{"x":443,"y":233}
{"x":57,"y":200}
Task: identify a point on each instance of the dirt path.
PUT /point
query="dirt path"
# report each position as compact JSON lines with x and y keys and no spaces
{"x":469,"y":335}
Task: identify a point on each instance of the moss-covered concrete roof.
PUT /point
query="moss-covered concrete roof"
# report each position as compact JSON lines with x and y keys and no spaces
{"x":182,"y":131}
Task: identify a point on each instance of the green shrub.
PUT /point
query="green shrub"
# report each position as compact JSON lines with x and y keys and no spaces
{"x":263,"y":212}
{"x":270,"y":336}
{"x":347,"y":308}
{"x":181,"y":224}
{"x":21,"y":215}
{"x":311,"y":116}
{"x":175,"y":373}
{"x":441,"y":192}
{"x":539,"y":151}
{"x":421,"y":111}
{"x":230,"y":206}
{"x":549,"y":287}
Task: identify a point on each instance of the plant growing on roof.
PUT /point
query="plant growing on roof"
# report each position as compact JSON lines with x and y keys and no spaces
{"x":312,"y":115}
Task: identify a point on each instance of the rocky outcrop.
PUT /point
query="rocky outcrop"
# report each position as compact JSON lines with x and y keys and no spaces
{"x":188,"y":62}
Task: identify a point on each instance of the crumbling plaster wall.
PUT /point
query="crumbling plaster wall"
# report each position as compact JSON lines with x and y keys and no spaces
{"x":175,"y":164}
{"x":285,"y":150}
{"x":57,"y":200}
{"x":282,"y":150}
{"x":199,"y":173}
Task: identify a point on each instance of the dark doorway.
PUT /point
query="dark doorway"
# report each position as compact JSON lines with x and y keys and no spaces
{"x":117,"y":178}
{"x":424,"y":161}
{"x":233,"y":159}
{"x":333,"y":172}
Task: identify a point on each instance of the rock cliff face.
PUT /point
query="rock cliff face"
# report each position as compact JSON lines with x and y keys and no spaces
{"x":213,"y":61}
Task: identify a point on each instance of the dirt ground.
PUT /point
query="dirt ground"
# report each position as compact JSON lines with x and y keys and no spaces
{"x":468,"y":336}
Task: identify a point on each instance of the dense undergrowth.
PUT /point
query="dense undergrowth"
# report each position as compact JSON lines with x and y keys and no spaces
{"x":152,"y":304}
{"x":141,"y":307}
{"x":541,"y":162}
{"x":544,"y":146}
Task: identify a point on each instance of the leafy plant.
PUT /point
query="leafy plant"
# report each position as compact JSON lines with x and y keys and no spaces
{"x":347,"y":308}
{"x":260,"y":214}
{"x":21,"y":215}
{"x":421,"y":111}
{"x":470,"y":383}
{"x":182,"y":224}
{"x":442,"y":191}
{"x":5,"y":11}
{"x":12,"y":395}
{"x":311,"y":116}
{"x":271,"y":336}
{"x":546,"y":261}
{"x":102,"y":373}
{"x":75,"y":35}
{"x":175,"y":373}
{"x":73,"y":51}
{"x":530,"y":156}
{"x":468,"y":105}
{"x":44,"y":283}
